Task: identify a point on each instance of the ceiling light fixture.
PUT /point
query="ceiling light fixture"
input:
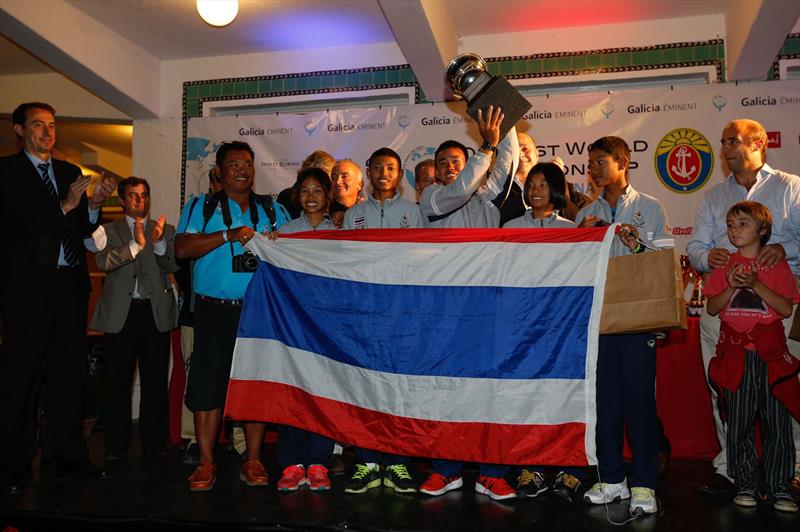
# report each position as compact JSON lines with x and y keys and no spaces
{"x":218,"y":12}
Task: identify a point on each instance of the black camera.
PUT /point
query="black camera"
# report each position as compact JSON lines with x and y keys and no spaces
{"x":245,"y":263}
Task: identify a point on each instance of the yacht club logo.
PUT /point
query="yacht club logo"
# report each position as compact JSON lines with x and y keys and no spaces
{"x":684,"y":160}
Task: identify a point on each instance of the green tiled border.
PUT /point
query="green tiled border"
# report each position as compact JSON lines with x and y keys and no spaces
{"x":789,"y":50}
{"x":661,"y":56}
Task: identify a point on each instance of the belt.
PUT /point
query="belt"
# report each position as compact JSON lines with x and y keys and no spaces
{"x":216,"y":301}
{"x":140,"y":301}
{"x":68,"y":268}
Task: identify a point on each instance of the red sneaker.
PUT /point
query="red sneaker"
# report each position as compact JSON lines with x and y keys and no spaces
{"x":317,"y":478}
{"x":292,"y":478}
{"x":203,"y":477}
{"x":253,"y":473}
{"x":496,"y":488}
{"x":439,"y":484}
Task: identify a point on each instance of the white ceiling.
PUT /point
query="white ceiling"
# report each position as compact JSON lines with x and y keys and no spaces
{"x":172,"y":29}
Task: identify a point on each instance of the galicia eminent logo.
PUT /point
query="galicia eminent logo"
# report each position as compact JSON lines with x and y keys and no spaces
{"x":403,"y":121}
{"x":607,"y":109}
{"x":310,"y":127}
{"x":719,"y":101}
{"x":684,"y":160}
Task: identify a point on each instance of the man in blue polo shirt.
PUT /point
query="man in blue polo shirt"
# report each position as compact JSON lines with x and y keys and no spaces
{"x":213,"y":230}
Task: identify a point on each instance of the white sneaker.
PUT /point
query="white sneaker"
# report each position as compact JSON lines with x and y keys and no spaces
{"x":602,"y":493}
{"x":643,"y":500}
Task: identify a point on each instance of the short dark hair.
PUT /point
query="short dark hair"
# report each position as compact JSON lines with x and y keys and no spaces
{"x":447,"y":145}
{"x":556,"y":181}
{"x":233,"y":145}
{"x":131,"y":181}
{"x":20,"y":114}
{"x":614,"y":146}
{"x":315,"y":173}
{"x":758,"y":212}
{"x":385,"y":152}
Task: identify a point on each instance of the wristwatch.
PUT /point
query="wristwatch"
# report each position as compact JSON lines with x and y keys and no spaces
{"x":486,"y":146}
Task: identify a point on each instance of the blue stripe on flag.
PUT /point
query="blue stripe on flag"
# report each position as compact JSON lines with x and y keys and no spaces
{"x":495,"y":328}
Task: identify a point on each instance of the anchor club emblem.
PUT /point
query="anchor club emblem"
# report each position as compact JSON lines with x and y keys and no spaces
{"x":684,"y":160}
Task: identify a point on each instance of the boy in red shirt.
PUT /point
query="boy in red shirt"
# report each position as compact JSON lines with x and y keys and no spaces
{"x":753,"y":366}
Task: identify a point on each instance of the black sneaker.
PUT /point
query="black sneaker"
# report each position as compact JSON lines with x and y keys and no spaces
{"x":567,"y":487}
{"x":530,"y":484}
{"x":396,"y":476}
{"x":363,"y":479}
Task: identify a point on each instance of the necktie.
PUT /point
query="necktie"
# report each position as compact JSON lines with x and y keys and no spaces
{"x":70,"y":253}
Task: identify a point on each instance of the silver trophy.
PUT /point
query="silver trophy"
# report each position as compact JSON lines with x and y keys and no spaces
{"x":467,"y":78}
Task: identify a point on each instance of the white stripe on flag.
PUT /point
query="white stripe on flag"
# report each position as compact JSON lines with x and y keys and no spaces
{"x":452,"y":264}
{"x":523,"y":402}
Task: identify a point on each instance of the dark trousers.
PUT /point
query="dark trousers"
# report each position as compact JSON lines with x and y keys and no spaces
{"x":449,"y":468}
{"x":48,"y":327}
{"x":298,"y":446}
{"x":626,"y":398}
{"x":138,"y":340}
{"x":368,"y":456}
{"x":754,"y":400}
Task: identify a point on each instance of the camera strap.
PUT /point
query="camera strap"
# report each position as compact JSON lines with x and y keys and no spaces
{"x":221,"y":199}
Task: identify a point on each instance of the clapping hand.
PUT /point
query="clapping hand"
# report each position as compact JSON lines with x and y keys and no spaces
{"x":138,"y":232}
{"x":102,"y":191}
{"x":76,"y":191}
{"x":158,"y":230}
{"x":742,"y":276}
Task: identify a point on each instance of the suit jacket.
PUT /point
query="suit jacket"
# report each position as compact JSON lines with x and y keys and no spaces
{"x":122,"y":270}
{"x":33,"y":226}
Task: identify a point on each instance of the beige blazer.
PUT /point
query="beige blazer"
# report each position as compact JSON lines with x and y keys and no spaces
{"x":122,"y":270}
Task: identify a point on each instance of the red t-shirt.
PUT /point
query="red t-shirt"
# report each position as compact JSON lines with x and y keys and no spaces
{"x":745,"y":308}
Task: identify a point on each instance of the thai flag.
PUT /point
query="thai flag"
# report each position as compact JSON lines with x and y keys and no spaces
{"x":475,"y":344}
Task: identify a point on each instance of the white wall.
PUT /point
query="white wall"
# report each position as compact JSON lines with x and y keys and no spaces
{"x":688,"y":29}
{"x":67,"y":97}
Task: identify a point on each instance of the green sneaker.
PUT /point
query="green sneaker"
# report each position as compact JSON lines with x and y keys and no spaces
{"x":396,"y":476}
{"x":363,"y":479}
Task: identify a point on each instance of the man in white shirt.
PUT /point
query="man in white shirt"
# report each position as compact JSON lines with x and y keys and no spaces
{"x":744,"y":149}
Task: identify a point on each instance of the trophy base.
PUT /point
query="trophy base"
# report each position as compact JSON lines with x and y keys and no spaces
{"x":499,"y":92}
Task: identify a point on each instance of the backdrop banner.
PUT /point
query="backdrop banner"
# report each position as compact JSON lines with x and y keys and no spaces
{"x":674,"y":135}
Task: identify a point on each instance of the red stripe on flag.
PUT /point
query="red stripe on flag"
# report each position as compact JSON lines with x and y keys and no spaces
{"x":466,"y":441}
{"x":453,"y":236}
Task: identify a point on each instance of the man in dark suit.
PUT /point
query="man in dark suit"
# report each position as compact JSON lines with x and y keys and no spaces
{"x":136,"y":312}
{"x":44,"y":290}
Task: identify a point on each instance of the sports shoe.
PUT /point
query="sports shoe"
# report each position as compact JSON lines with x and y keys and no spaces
{"x":365,"y":478}
{"x":337,"y":465}
{"x":439,"y":484}
{"x":602,"y":493}
{"x":203,"y":477}
{"x":292,"y":478}
{"x":530,"y":483}
{"x":396,"y":476}
{"x":317,"y":478}
{"x":567,"y":487}
{"x":746,"y":498}
{"x":784,"y":502}
{"x":496,"y":488}
{"x":253,"y":473}
{"x":643,"y":500}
